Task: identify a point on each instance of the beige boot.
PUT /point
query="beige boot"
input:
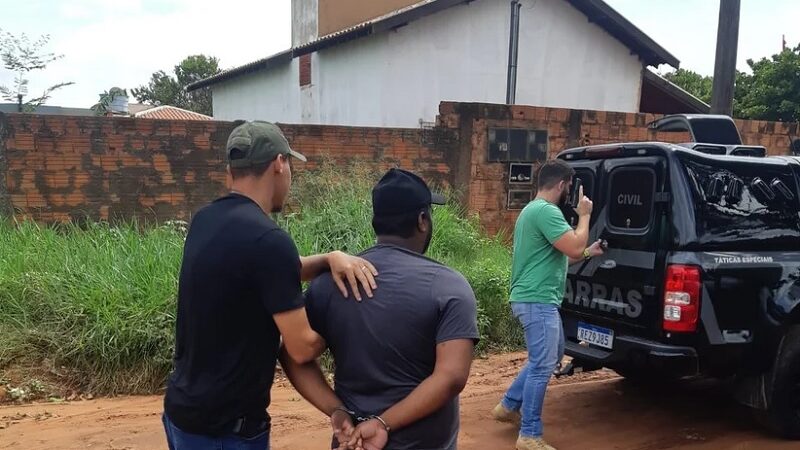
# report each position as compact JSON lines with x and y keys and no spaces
{"x":501,"y":414}
{"x":529,"y":443}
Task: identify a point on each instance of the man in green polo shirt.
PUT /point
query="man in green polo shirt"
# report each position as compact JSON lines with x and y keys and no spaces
{"x":544,"y":245}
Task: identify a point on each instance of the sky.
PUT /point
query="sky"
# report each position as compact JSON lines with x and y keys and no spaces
{"x":109,"y":43}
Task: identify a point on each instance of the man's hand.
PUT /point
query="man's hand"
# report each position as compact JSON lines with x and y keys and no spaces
{"x":369,"y":435}
{"x":584,"y":208}
{"x":596,"y":249}
{"x":342,"y":426}
{"x":353,"y":271}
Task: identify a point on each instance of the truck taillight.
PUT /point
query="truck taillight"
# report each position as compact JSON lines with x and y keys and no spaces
{"x":681,"y":298}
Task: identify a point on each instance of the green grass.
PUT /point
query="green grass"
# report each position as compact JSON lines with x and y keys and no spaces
{"x":96,"y":304}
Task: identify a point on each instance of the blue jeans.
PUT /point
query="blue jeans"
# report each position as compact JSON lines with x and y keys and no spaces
{"x":181,"y":440}
{"x":544,"y":337}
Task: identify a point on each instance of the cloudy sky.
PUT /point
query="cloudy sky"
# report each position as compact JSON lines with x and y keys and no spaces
{"x":121,"y":42}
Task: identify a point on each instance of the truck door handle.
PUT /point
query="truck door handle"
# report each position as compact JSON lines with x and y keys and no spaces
{"x":608,"y":264}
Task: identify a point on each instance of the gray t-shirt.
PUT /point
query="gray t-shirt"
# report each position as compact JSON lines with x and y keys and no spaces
{"x":384,"y":347}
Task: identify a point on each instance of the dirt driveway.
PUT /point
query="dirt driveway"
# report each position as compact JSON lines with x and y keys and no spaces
{"x":591,"y":411}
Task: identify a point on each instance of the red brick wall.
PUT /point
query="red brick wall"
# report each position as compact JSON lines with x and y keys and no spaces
{"x":485,"y":184}
{"x":60,"y":168}
{"x":55,"y":168}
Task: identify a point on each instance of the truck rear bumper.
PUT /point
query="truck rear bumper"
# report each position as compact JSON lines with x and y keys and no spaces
{"x":634,"y":353}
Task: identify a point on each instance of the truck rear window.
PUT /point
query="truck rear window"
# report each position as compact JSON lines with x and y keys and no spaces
{"x":744,"y":202}
{"x":631,"y":198}
{"x":715,"y":131}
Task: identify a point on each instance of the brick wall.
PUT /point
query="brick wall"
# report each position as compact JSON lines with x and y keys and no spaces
{"x":484,"y":185}
{"x":55,"y":168}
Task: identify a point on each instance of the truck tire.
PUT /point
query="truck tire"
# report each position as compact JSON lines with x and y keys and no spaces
{"x":783,"y":412}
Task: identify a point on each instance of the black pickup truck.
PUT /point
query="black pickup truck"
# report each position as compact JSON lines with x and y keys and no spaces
{"x":702,"y":272}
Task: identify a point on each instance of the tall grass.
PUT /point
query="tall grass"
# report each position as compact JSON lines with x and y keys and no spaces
{"x":96,"y":304}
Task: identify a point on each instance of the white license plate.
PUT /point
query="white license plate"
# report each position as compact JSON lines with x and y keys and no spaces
{"x":602,"y":337}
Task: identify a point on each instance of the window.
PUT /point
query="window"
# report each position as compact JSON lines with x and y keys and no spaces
{"x":631,"y":198}
{"x":745,"y":203}
{"x":516,"y":145}
{"x":715,"y":131}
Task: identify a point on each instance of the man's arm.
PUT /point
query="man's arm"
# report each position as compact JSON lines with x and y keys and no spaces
{"x":276,"y":274}
{"x":344,"y":268}
{"x":453,"y":360}
{"x":573,"y":242}
{"x":300,"y":342}
{"x":596,"y":249}
{"x":450,"y":374}
{"x":310,"y":382}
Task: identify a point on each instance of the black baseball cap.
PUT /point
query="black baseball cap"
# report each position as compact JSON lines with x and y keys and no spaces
{"x":400,"y":191}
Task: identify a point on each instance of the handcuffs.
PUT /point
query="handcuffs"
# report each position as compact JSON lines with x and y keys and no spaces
{"x":357,"y":418}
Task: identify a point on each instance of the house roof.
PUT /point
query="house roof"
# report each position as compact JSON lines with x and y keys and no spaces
{"x":596,"y":11}
{"x":661,"y":96}
{"x":134,"y":108}
{"x":167,"y":112}
{"x":48,"y":110}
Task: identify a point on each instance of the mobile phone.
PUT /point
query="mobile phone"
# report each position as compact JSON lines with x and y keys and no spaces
{"x":574,"y":198}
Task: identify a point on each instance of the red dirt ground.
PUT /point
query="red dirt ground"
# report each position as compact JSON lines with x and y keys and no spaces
{"x":597,"y":410}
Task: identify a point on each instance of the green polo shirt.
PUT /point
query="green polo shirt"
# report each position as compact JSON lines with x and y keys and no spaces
{"x":539,"y":270}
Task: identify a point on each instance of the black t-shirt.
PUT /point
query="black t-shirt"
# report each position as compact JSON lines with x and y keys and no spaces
{"x":239,"y":268}
{"x":384,"y":347}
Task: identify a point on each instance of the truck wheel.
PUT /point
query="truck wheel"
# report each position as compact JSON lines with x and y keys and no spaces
{"x":783,"y":413}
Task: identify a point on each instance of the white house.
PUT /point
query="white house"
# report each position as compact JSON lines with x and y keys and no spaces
{"x":355,"y":62}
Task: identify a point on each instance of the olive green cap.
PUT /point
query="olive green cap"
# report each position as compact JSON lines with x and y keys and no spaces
{"x":257,"y":142}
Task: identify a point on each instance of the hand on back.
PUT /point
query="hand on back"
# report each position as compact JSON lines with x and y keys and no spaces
{"x":351,"y":271}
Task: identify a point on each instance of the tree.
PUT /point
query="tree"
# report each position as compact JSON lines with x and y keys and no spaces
{"x":166,"y":89}
{"x":23,"y":56}
{"x":103,"y":106}
{"x":772,"y":92}
{"x":692,"y":82}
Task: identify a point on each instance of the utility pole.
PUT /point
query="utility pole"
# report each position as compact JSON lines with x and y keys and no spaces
{"x":513,"y":53}
{"x":725,"y":64}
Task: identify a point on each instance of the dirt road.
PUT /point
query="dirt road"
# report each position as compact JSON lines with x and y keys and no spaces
{"x":591,"y":411}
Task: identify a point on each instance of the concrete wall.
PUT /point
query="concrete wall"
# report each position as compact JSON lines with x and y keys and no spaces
{"x":398,"y":78}
{"x":272,"y":95}
{"x":304,"y":21}
{"x":567,"y":62}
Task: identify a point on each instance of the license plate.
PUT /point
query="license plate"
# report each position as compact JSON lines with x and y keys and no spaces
{"x":602,"y":337}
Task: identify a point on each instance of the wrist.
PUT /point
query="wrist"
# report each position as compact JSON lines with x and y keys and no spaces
{"x":586,"y":253}
{"x":382,"y":422}
{"x":340,"y":409}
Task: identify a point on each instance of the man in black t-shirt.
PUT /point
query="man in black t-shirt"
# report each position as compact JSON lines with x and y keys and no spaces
{"x":239,"y":292}
{"x":403,"y":357}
